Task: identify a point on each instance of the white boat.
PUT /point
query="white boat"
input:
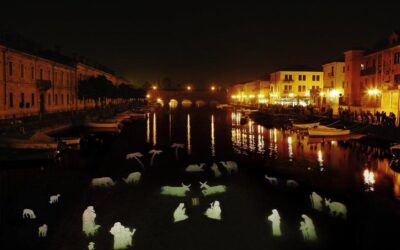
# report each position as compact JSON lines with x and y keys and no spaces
{"x":224,"y":106}
{"x":305,"y":125}
{"x":111,"y":125}
{"x":327,"y":132}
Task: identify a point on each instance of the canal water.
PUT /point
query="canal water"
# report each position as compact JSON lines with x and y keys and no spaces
{"x":352,"y":173}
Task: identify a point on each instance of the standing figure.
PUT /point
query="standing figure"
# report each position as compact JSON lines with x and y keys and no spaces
{"x":89,"y":226}
{"x":214,"y":212}
{"x":316,"y":201}
{"x":307,"y":228}
{"x":180,"y":213}
{"x":122,"y":236}
{"x":276,"y":223}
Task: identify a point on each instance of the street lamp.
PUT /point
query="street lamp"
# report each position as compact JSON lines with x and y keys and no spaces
{"x":212,"y":88}
{"x":154,"y":87}
{"x":189,"y":88}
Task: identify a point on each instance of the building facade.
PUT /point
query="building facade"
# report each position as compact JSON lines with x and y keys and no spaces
{"x":31,"y":84}
{"x":296,"y":86}
{"x":250,"y":93}
{"x":372,"y":78}
{"x":334,"y":81}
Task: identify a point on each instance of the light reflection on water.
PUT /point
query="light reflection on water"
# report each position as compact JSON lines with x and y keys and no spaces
{"x":212,"y":137}
{"x":154,"y":129}
{"x":189,"y":141}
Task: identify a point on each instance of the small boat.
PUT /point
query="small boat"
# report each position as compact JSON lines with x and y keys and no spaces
{"x":305,"y":125}
{"x":327,"y":132}
{"x":108,"y":125}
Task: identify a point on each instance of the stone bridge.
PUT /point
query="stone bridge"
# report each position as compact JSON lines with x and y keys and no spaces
{"x":186,"y":98}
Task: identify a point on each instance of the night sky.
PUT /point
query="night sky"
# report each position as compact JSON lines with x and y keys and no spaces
{"x":202,"y":43}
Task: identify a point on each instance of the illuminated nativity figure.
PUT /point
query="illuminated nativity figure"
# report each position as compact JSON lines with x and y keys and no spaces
{"x":307,"y":229}
{"x":122,"y":236}
{"x":89,"y":226}
{"x":276,"y":223}
{"x":180,"y":213}
{"x":214,"y":212}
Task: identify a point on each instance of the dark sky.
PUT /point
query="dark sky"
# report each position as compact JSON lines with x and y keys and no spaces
{"x":199,"y":42}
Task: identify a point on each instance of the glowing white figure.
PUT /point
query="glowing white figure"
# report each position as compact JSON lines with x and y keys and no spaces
{"x":154,"y":152}
{"x":28,"y":214}
{"x":215,"y":170}
{"x":276,"y":223}
{"x":43,"y":230}
{"x":369,"y":179}
{"x":180,"y":213}
{"x":54,"y":198}
{"x":133,"y":178}
{"x":230,"y":166}
{"x":91,"y":245}
{"x":136,"y":156}
{"x":210,"y":190}
{"x":175,"y":191}
{"x":316,"y":201}
{"x":307,"y":229}
{"x":177,"y":146}
{"x":292,"y":184}
{"x":102,"y":182}
{"x":89,"y":226}
{"x":122,"y":236}
{"x":214,"y":212}
{"x":195,"y":167}
{"x":336,"y":208}
{"x":271,"y":180}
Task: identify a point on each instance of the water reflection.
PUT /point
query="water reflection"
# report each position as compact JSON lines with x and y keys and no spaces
{"x":170,"y":125}
{"x":154,"y":129}
{"x":212,"y":137}
{"x":189,"y":144}
{"x":320,"y":159}
{"x":148,"y":129}
{"x":369,"y":180}
{"x":290,"y":148}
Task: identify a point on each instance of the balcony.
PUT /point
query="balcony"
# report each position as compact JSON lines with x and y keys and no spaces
{"x":43,"y":85}
{"x":288,"y":80}
{"x":368,"y":71}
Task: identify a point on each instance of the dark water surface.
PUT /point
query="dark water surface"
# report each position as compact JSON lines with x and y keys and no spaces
{"x":333,"y":169}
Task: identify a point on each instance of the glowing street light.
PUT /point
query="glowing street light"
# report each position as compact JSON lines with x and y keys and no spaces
{"x":334,"y":93}
{"x":373,"y":92}
{"x":147,"y":96}
{"x":154,"y":87}
{"x":189,"y":88}
{"x":212,"y":88}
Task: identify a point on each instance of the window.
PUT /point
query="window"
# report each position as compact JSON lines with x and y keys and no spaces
{"x":22,"y":71}
{"x":304,"y":77}
{"x":317,"y":78}
{"x":22,"y":103}
{"x":397,"y":58}
{"x":49,"y":99}
{"x":286,"y":77}
{"x":344,"y":69}
{"x":290,"y":87}
{"x":286,"y":87}
{"x":332,"y":71}
{"x":62,"y":99}
{"x":290,"y":78}
{"x":33,"y":73}
{"x":313,"y":78}
{"x":300,"y":77}
{"x":299,"y":88}
{"x":33,"y":100}
{"x":41,"y":74}
{"x":304,"y":88}
{"x":10,"y":68}
{"x":11,"y":97}
{"x":55,"y":100}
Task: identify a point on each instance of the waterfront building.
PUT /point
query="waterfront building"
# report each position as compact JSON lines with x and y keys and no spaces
{"x":296,"y":86}
{"x":333,"y":88}
{"x":32,"y":83}
{"x":372,"y":77}
{"x":250,"y":93}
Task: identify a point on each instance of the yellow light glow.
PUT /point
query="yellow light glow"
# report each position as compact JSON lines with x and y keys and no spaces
{"x":322,"y":94}
{"x":189,"y":87}
{"x":334,"y":93}
{"x":261,"y":96}
{"x":147,"y":96}
{"x":373,"y":92}
{"x":212,"y":88}
{"x":233,"y":97}
{"x":159,"y":100}
{"x":307,"y":93}
{"x":251,"y":96}
{"x":154,"y":87}
{"x":291,"y":95}
{"x":263,"y":100}
{"x":274,"y":95}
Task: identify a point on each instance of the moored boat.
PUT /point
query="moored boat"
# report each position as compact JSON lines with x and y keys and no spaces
{"x":327,"y":132}
{"x":305,"y":125}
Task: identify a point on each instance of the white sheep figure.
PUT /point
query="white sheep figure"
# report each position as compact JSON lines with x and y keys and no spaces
{"x":91,"y":245}
{"x":54,"y":198}
{"x":43,"y":230}
{"x":175,"y":191}
{"x":102,"y":182}
{"x":230,"y":166}
{"x":133,"y":178}
{"x":210,"y":190}
{"x":336,"y":208}
{"x":215,"y":169}
{"x":271,"y":180}
{"x":195,"y":167}
{"x":28,"y":214}
{"x":292,"y":184}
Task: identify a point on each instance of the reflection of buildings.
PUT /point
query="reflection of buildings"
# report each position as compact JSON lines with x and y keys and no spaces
{"x":250,"y":93}
{"x":188,"y":135}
